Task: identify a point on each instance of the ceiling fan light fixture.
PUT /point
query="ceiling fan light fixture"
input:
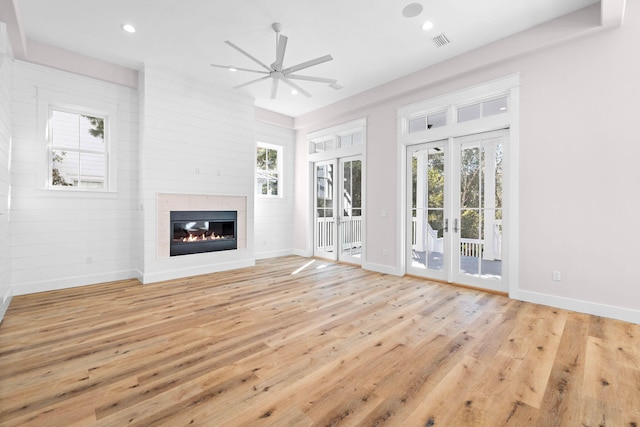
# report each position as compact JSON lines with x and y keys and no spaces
{"x":276,"y":71}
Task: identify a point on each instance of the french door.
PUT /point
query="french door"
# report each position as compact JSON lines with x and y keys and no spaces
{"x":454,"y":217}
{"x":338,"y":209}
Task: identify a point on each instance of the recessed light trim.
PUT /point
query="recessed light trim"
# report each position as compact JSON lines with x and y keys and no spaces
{"x":412,"y":10}
{"x":129,"y":28}
{"x":232,"y":68}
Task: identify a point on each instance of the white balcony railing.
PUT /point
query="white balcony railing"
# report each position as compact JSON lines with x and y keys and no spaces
{"x":350,"y":233}
{"x":468,"y":247}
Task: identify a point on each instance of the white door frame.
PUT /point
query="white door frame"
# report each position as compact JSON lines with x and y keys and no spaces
{"x":509,"y":120}
{"x":330,"y":233}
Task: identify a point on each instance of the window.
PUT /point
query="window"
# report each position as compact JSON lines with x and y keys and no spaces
{"x":427,"y":121}
{"x":77,"y":150}
{"x":350,"y":139}
{"x":483,"y":109}
{"x":268,"y":170}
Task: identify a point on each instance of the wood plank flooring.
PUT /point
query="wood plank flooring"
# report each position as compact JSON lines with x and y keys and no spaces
{"x":332,"y":345}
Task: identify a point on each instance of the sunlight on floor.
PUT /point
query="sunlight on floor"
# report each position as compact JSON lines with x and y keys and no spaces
{"x":303,"y":267}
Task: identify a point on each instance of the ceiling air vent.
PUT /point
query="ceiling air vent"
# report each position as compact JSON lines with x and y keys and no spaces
{"x":441,"y":40}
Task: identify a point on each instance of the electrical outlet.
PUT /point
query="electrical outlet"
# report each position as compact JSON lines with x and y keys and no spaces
{"x":557,"y":276}
{"x":384,"y":252}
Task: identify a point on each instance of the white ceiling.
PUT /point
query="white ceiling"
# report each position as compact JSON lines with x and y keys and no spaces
{"x":371,"y":41}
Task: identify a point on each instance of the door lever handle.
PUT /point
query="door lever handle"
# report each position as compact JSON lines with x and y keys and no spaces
{"x":446,"y":225}
{"x":455,"y":225}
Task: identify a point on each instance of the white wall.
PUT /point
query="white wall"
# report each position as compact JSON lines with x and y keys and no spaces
{"x":578,"y":203}
{"x":274,"y":215}
{"x":62,"y":239}
{"x":5,"y":177}
{"x":195,"y":139}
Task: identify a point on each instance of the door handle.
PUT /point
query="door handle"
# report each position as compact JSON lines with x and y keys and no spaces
{"x":455,"y":225}
{"x":446,"y":225}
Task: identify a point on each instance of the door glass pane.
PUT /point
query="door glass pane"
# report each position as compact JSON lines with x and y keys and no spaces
{"x":427,"y":212}
{"x":325,"y":221}
{"x":480,"y":214}
{"x":351,"y":221}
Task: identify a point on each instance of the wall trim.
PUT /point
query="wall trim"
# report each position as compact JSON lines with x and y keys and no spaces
{"x":273,"y":254}
{"x":71,"y":282}
{"x":183,"y":273}
{"x":381,"y":268}
{"x":603,"y":310}
{"x":6,"y":300}
{"x":306,"y":253}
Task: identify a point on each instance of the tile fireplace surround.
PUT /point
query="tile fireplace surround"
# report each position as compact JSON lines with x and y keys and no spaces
{"x":197,"y":202}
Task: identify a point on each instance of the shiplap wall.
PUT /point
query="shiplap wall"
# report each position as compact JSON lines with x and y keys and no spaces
{"x":195,"y":139}
{"x":5,"y":185}
{"x":274,"y":215}
{"x":63,"y":239}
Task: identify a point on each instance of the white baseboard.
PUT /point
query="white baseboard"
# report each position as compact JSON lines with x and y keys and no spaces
{"x":195,"y":271}
{"x":380,"y":268}
{"x":625,"y":314}
{"x":4,"y":303}
{"x":302,"y":252}
{"x":70,"y":282}
{"x":273,"y":254}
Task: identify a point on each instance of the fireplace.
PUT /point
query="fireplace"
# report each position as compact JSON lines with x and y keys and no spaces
{"x":194,"y":232}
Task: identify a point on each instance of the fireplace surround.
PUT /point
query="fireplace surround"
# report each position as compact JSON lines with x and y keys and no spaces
{"x":193,"y":232}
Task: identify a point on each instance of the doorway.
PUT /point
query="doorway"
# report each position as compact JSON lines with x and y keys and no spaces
{"x":338,"y":210}
{"x":455,"y":196}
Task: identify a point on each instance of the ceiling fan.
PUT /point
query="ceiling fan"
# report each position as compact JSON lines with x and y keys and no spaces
{"x":276,"y":72}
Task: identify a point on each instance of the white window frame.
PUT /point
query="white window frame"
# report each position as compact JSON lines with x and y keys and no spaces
{"x":279,"y":168}
{"x":48,"y":101}
{"x":333,"y":134}
{"x":79,"y":150}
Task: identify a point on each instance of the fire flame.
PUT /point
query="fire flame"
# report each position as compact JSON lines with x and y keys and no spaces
{"x":201,"y":237}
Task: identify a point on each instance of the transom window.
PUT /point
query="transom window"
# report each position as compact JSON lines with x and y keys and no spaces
{"x":77,"y":150}
{"x":268,"y":170}
{"x":335,"y":142}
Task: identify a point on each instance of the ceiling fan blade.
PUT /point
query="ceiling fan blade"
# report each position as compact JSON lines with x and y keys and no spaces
{"x":251,"y":82}
{"x":282,"y":46}
{"x":248,"y":55}
{"x":296,"y":87}
{"x":311,"y":79}
{"x":274,"y":88}
{"x":307,"y":64}
{"x":239,"y":69}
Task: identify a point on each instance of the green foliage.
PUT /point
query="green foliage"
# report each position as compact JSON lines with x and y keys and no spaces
{"x":471,"y":190}
{"x":56,"y":178}
{"x":267,"y":171}
{"x":97,"y":124}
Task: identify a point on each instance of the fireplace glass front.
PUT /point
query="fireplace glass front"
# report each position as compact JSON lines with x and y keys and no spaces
{"x":195,"y":232}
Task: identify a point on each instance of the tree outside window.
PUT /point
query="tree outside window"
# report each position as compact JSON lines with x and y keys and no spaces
{"x":268,"y":170}
{"x":78,"y":151}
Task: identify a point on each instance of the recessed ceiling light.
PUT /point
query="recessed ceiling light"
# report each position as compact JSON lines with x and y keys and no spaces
{"x":129,"y":28}
{"x":412,"y":10}
{"x":294,"y":92}
{"x":427,"y":25}
{"x":232,"y":68}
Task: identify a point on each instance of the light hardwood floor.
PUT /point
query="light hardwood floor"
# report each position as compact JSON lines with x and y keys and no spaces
{"x":331,"y":345}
